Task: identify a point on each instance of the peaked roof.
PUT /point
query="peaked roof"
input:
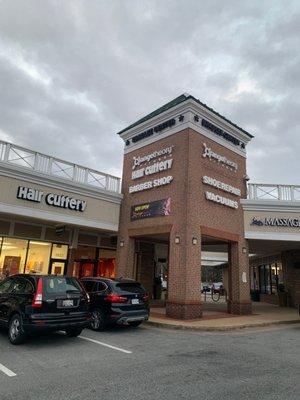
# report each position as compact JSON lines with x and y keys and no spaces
{"x":175,"y":102}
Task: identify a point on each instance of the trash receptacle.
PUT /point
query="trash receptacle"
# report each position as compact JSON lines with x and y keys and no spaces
{"x":255,"y":295}
{"x":282,"y":299}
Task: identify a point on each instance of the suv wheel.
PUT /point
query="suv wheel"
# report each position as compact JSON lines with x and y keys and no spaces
{"x":98,"y":320}
{"x":16,"y":332}
{"x":73,"y":332}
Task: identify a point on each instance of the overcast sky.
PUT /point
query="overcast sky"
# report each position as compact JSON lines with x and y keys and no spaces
{"x":73,"y":73}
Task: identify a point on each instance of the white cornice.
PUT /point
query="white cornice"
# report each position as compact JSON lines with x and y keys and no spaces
{"x":188,"y":122}
{"x":278,"y":236}
{"x":271,"y":205}
{"x":190,"y":107}
{"x":58,"y":183}
{"x":55,"y":217}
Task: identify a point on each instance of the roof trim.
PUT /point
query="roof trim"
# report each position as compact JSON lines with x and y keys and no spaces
{"x":178,"y":100}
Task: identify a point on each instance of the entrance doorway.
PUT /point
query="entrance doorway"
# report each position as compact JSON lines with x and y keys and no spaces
{"x":151,"y":268}
{"x":87,"y":268}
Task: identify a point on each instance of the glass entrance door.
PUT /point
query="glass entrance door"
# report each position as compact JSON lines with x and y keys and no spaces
{"x":87,"y":268}
{"x":57,"y":267}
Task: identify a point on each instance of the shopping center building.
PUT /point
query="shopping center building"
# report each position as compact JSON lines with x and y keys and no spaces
{"x":55,"y":216}
{"x":184,"y":205}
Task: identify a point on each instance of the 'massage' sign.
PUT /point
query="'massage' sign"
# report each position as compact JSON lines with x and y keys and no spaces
{"x":280,"y":222}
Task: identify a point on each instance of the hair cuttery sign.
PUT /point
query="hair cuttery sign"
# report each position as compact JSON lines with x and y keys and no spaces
{"x":52,"y":199}
{"x":158,"y":161}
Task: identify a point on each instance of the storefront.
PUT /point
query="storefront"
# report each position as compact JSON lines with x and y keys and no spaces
{"x":56,"y":217}
{"x":184,"y":194}
{"x":32,"y":257}
{"x":272,"y":228}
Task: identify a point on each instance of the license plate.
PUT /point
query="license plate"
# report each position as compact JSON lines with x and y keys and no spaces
{"x":67,"y":303}
{"x":135,"y":301}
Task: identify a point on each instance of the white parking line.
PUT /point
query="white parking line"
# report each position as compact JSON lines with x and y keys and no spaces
{"x":106,"y":345}
{"x":7,"y":371}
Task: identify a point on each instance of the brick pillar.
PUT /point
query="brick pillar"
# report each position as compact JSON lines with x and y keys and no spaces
{"x":291,"y":275}
{"x":184,"y":276}
{"x":125,"y":257}
{"x":71,"y":258}
{"x":239,"y":291}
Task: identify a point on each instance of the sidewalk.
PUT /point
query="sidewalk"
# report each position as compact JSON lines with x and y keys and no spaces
{"x":218,"y":320}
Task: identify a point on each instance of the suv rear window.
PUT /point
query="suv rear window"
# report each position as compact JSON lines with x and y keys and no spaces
{"x":133,"y":287}
{"x":60,"y":285}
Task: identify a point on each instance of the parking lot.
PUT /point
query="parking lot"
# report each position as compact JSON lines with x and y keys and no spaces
{"x":153,"y":363}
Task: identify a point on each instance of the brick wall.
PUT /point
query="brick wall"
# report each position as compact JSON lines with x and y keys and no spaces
{"x":192,"y":216}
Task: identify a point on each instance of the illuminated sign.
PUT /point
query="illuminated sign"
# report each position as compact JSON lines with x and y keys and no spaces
{"x":152,"y":169}
{"x":218,"y":131}
{"x":221,"y":185}
{"x":158,"y":208}
{"x":220,"y":159}
{"x":280,"y":222}
{"x":221,"y":200}
{"x":149,"y":132}
{"x":52,"y":199}
{"x":166,"y":180}
{"x":137,"y":161}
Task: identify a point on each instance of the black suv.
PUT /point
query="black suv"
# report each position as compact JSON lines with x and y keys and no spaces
{"x":31,"y":303}
{"x":121,"y":301}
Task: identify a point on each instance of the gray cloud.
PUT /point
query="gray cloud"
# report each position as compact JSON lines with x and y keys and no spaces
{"x":74,"y":73}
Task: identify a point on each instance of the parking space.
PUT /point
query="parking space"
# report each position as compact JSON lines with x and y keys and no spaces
{"x":43,"y":353}
{"x":152,"y":363}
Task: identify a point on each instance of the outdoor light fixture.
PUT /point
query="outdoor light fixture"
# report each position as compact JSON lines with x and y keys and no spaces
{"x":177,"y":239}
{"x":195,"y":240}
{"x":244,"y":250}
{"x":121,"y":243}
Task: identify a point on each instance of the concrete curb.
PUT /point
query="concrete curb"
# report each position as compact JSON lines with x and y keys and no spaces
{"x":220,"y":328}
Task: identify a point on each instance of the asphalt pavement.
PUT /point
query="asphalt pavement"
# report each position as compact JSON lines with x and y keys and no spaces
{"x":153,"y":363}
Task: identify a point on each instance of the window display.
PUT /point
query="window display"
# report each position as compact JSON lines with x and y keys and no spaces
{"x":107,"y":263}
{"x":38,"y":258}
{"x":13,"y":254}
{"x":59,"y":251}
{"x":270,"y":278}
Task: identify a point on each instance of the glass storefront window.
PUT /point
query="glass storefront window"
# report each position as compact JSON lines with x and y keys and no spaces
{"x":59,"y":251}
{"x":274,"y":278}
{"x":107,"y":263}
{"x":270,"y":278}
{"x":13,"y":254}
{"x":57,"y":267}
{"x":38,"y":258}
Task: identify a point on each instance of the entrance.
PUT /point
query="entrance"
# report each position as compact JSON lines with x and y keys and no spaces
{"x":151,"y":268}
{"x":57,"y":267}
{"x":87,"y":268}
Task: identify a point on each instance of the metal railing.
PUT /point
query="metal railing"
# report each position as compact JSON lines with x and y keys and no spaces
{"x":41,"y":163}
{"x":263,"y":191}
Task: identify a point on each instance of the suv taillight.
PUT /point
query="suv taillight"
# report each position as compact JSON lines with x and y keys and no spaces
{"x":115,"y":298}
{"x":146,"y":297}
{"x":37,"y":301}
